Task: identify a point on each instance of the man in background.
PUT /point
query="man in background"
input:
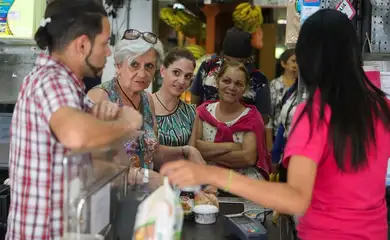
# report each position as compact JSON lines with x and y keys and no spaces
{"x":91,"y":82}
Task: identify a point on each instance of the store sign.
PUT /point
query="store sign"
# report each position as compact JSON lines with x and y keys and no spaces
{"x":346,"y":7}
{"x":309,"y":7}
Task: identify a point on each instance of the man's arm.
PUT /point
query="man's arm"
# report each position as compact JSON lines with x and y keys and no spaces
{"x":76,"y":129}
{"x":62,"y":110}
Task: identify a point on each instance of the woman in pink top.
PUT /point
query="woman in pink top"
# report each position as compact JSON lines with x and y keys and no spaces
{"x":338,"y":148}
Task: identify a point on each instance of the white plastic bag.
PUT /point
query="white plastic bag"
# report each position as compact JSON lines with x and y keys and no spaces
{"x":159,"y":216}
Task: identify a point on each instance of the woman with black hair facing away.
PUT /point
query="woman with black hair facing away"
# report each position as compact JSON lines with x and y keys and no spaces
{"x":338,"y":147}
{"x":287,"y":70}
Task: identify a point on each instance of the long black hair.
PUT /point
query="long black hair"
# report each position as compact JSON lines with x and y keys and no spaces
{"x":284,"y":57}
{"x":69,"y":19}
{"x":330,"y":60}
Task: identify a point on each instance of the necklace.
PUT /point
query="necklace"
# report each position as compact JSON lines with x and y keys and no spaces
{"x":132,"y":103}
{"x":158,"y":99}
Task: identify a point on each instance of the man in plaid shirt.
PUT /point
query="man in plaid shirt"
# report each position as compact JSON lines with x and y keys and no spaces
{"x":53,"y":115}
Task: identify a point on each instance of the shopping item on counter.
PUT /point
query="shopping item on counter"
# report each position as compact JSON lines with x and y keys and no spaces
{"x":293,"y":22}
{"x":159,"y":216}
{"x":187,"y":201}
{"x":208,"y":196}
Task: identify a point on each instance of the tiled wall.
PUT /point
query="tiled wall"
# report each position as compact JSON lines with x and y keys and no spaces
{"x":15,"y":63}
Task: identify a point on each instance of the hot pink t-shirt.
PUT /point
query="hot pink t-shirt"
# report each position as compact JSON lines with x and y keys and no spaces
{"x":348,"y":206}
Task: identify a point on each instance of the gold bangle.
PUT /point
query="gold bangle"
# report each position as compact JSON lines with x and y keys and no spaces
{"x":227,"y":188}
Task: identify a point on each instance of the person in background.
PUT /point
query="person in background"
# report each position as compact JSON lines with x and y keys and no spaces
{"x":236,"y":46}
{"x":91,"y":82}
{"x":175,"y":118}
{"x":137,"y":57}
{"x":287,"y":71}
{"x":229,"y":133}
{"x":338,"y":147}
{"x":289,"y":104}
{"x":52,"y":115}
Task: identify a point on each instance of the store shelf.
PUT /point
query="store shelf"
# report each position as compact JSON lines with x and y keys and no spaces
{"x":376,"y":56}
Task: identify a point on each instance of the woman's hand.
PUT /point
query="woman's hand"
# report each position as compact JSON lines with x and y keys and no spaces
{"x":186,"y":173}
{"x":194,"y":155}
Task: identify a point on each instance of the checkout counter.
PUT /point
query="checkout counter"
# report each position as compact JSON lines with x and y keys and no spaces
{"x":101,"y":199}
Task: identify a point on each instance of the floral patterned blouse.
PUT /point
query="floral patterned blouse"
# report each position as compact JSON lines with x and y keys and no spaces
{"x":141,"y":149}
{"x":277,"y":89}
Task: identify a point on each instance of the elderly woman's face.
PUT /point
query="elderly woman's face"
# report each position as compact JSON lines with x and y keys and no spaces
{"x":137,"y":75}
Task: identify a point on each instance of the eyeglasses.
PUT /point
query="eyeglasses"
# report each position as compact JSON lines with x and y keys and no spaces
{"x":133,"y":34}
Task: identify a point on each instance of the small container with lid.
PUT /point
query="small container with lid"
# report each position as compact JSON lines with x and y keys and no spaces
{"x":187,"y":201}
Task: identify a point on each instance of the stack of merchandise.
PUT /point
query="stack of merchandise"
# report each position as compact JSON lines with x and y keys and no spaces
{"x":247,"y":17}
{"x":183,"y":21}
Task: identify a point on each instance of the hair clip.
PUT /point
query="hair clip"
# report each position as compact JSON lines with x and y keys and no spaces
{"x":45,"y":21}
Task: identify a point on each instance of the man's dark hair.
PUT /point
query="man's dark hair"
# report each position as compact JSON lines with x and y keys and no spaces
{"x":69,"y":19}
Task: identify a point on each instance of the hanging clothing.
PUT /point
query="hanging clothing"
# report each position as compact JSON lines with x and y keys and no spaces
{"x":249,"y":121}
{"x":175,"y":129}
{"x":141,"y":149}
{"x":289,"y":102}
{"x":277,"y":90}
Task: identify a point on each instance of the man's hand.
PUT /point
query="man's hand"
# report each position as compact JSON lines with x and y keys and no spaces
{"x":131,"y":118}
{"x":105,"y":110}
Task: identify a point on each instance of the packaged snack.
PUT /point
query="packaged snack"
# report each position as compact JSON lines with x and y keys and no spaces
{"x":207,"y":197}
{"x":159,"y":216}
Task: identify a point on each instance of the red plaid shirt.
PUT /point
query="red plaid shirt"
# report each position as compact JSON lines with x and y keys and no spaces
{"x":36,"y":156}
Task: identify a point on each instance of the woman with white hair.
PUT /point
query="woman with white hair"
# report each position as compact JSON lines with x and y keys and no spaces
{"x":137,"y":57}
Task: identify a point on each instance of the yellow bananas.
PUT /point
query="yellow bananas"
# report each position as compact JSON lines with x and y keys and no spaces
{"x":181,"y":20}
{"x":247,"y":17}
{"x":197,"y":51}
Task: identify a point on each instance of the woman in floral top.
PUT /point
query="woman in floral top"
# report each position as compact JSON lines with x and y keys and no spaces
{"x":279,"y":86}
{"x":137,"y":57}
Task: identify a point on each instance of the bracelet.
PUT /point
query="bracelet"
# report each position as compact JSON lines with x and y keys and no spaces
{"x":146,"y":175}
{"x":227,"y":188}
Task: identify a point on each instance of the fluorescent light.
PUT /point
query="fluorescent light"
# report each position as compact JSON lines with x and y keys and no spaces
{"x":282,"y":21}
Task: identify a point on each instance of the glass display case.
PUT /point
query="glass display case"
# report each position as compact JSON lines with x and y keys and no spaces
{"x":94,"y":182}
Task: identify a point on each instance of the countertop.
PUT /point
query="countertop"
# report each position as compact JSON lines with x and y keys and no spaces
{"x":194,"y":231}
